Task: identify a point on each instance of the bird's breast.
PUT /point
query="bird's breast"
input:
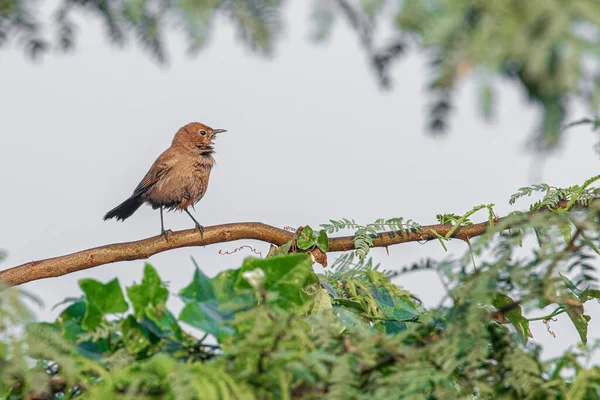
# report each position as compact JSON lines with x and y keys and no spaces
{"x":196,"y":187}
{"x":183,"y":186}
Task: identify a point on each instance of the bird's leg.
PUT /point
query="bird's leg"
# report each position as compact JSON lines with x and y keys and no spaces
{"x":200,"y":227}
{"x":162,"y":225}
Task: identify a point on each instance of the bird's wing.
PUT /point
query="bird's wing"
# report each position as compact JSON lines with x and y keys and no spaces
{"x":160,"y":168}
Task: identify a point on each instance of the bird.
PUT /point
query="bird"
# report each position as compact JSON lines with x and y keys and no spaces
{"x":178,"y":179}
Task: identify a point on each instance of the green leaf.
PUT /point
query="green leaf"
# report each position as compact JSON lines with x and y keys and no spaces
{"x":133,"y":335}
{"x":565,"y":230}
{"x":75,"y":312}
{"x":223,"y":285}
{"x":287,"y":276}
{"x":578,"y":318}
{"x":93,"y":318}
{"x":392,"y":327}
{"x":101,"y":299}
{"x":323,"y":241}
{"x":526,"y":331}
{"x":382,"y":297}
{"x":351,"y":304}
{"x":570,"y":285}
{"x":150,"y":293}
{"x":549,"y":292}
{"x":206,"y":317}
{"x":69,"y":321}
{"x":514,"y":316}
{"x":165,"y":322}
{"x":322,"y":301}
{"x":305,"y":238}
{"x":396,"y":308}
{"x":348,"y":319}
{"x":107,"y":297}
{"x":281,"y":250}
{"x":589,"y":294}
{"x":199,"y":289}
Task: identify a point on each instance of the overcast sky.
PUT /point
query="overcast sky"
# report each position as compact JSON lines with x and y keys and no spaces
{"x":310,"y":137}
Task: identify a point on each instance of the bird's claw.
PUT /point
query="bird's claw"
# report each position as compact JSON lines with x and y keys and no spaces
{"x":200,"y":229}
{"x":166,"y":233}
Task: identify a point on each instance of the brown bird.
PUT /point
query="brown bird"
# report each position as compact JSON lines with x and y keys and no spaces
{"x":178,"y":178}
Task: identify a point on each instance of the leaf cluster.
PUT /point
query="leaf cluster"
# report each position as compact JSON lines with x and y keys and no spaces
{"x":258,"y":23}
{"x":548,"y":49}
{"x":362,"y":239}
{"x":574,"y":195}
{"x":272,"y":328}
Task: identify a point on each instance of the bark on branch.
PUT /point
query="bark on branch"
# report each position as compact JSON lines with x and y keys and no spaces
{"x":141,"y":249}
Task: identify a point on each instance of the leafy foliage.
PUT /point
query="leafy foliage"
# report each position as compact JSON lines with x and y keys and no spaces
{"x":538,"y":46}
{"x":257,"y":22}
{"x":574,"y":195}
{"x":362,"y":238}
{"x":274,"y":329}
{"x":307,"y":239}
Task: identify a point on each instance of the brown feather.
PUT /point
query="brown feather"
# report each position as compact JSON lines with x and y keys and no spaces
{"x":179,"y":177}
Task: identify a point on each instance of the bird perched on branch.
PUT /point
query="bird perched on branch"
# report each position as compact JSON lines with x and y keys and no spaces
{"x":178,"y":178}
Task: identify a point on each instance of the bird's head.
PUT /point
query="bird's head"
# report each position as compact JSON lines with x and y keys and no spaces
{"x":197,"y":136}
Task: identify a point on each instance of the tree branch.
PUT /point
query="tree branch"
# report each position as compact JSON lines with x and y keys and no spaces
{"x":142,"y":249}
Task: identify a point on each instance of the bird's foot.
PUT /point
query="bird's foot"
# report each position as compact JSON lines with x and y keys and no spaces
{"x":200,"y":229}
{"x":166,"y":233}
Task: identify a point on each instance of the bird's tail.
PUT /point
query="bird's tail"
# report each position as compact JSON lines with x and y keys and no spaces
{"x":125,"y":209}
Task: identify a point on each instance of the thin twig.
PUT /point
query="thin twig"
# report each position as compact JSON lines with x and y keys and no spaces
{"x":252,"y":249}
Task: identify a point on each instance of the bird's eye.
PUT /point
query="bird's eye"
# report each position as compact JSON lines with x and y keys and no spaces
{"x":203,"y":133}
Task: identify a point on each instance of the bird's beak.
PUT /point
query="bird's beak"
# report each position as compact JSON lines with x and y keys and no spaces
{"x":219,"y":131}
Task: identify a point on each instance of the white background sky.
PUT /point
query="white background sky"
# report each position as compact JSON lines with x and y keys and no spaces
{"x":310,"y":137}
